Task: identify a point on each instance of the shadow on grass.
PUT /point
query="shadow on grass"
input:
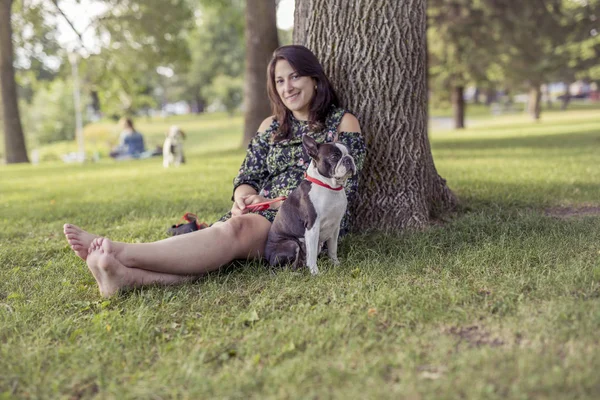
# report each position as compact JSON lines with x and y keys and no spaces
{"x":508,"y":232}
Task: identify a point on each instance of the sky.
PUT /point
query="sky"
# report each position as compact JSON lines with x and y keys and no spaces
{"x":80,"y":15}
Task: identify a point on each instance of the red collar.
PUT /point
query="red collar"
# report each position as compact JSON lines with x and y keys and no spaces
{"x":318,"y":182}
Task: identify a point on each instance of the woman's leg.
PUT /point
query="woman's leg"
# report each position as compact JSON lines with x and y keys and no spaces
{"x":111,"y":275}
{"x":167,"y":260}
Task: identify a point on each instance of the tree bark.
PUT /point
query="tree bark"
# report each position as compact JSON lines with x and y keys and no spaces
{"x":534,"y":102}
{"x":261,"y":41}
{"x":375,"y":53}
{"x":458,"y":107}
{"x":14,"y":140}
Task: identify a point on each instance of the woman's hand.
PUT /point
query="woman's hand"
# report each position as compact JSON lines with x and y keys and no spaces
{"x":240,"y":203}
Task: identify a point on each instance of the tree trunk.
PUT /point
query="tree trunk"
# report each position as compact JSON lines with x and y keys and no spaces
{"x":199,"y":103}
{"x":458,"y":107}
{"x":261,"y":41}
{"x":566,"y":97}
{"x":375,"y":52}
{"x":490,"y":96}
{"x":14,"y":140}
{"x":534,"y":102}
{"x":95,"y":100}
{"x":476,"y":96}
{"x":547,"y":95}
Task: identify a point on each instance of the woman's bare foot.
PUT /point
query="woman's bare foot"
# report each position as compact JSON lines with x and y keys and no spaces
{"x":79,"y":239}
{"x":110,"y":274}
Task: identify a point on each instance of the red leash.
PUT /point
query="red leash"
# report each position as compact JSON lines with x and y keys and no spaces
{"x":264,"y":205}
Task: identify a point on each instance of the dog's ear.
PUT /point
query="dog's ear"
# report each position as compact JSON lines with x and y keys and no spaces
{"x":311,"y":146}
{"x":182,"y":133}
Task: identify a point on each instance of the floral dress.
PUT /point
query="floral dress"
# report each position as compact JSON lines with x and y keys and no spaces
{"x":276,"y":168}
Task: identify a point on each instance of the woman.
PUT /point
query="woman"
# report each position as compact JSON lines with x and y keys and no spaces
{"x":131,"y":142}
{"x":303,"y":102}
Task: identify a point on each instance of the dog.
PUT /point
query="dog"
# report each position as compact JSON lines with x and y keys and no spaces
{"x":173,"y":147}
{"x":313,"y":211}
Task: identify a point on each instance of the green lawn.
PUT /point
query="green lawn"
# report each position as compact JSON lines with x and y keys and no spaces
{"x":503,"y":301}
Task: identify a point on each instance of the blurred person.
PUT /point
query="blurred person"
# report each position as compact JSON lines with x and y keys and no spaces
{"x":131,"y":142}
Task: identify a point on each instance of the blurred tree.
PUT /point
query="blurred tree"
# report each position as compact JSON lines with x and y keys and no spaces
{"x":581,"y":48}
{"x":379,"y":68}
{"x":261,"y":41}
{"x":226,"y":91}
{"x":50,"y":113}
{"x":136,"y":37}
{"x":461,"y":50}
{"x":537,"y":37}
{"x":216,"y":47}
{"x":14,"y":139}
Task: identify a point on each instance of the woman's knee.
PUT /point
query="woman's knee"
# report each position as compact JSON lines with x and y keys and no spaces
{"x":247,"y":230}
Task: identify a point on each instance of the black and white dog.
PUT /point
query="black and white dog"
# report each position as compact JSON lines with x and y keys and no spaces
{"x":313,"y":211}
{"x":173,"y":147}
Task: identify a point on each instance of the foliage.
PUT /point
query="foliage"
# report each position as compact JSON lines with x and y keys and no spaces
{"x":582,"y":46}
{"x":37,"y":50}
{"x":137,"y":37}
{"x":51,"y":115}
{"x":511,"y":43}
{"x":226,"y":91}
{"x":216,"y":46}
{"x":285,"y":36}
{"x":462,"y":47}
{"x":452,"y":309}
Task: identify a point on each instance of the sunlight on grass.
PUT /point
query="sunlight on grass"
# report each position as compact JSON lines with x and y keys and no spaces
{"x":502,"y":301}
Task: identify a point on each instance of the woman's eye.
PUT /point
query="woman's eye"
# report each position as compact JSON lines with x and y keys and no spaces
{"x":294,"y":77}
{"x":279,"y":81}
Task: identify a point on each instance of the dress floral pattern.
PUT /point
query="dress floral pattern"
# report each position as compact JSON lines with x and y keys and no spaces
{"x":276,"y":168}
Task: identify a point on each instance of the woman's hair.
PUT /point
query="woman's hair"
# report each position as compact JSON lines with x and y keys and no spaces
{"x":304,"y":63}
{"x":127,"y":123}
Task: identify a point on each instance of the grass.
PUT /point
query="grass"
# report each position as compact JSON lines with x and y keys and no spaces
{"x":503,"y":301}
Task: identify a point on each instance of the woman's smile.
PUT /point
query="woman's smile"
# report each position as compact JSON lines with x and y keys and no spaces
{"x":296,"y":92}
{"x":292,"y":97}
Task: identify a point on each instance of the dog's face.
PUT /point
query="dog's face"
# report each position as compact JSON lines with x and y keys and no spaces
{"x":332,"y":159}
{"x":175,"y":134}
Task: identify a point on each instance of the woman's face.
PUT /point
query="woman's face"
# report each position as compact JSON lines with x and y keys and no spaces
{"x":296,"y":92}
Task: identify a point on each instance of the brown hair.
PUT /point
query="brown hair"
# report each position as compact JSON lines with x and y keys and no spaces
{"x":304,"y":63}
{"x":127,"y":123}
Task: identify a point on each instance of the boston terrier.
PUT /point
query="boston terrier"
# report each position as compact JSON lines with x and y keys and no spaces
{"x":313,"y":211}
{"x":173,"y":147}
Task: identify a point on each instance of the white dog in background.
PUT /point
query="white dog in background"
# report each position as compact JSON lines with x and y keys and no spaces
{"x":173,"y":147}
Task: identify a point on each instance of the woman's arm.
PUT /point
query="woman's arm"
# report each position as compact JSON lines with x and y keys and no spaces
{"x":253,"y":171}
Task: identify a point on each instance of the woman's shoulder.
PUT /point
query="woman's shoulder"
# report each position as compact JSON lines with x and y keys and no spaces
{"x":349,"y":123}
{"x":342,"y":120}
{"x":268,"y":125}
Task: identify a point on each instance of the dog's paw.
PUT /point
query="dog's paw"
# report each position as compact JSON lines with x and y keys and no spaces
{"x":335,"y":261}
{"x":314,"y":270}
